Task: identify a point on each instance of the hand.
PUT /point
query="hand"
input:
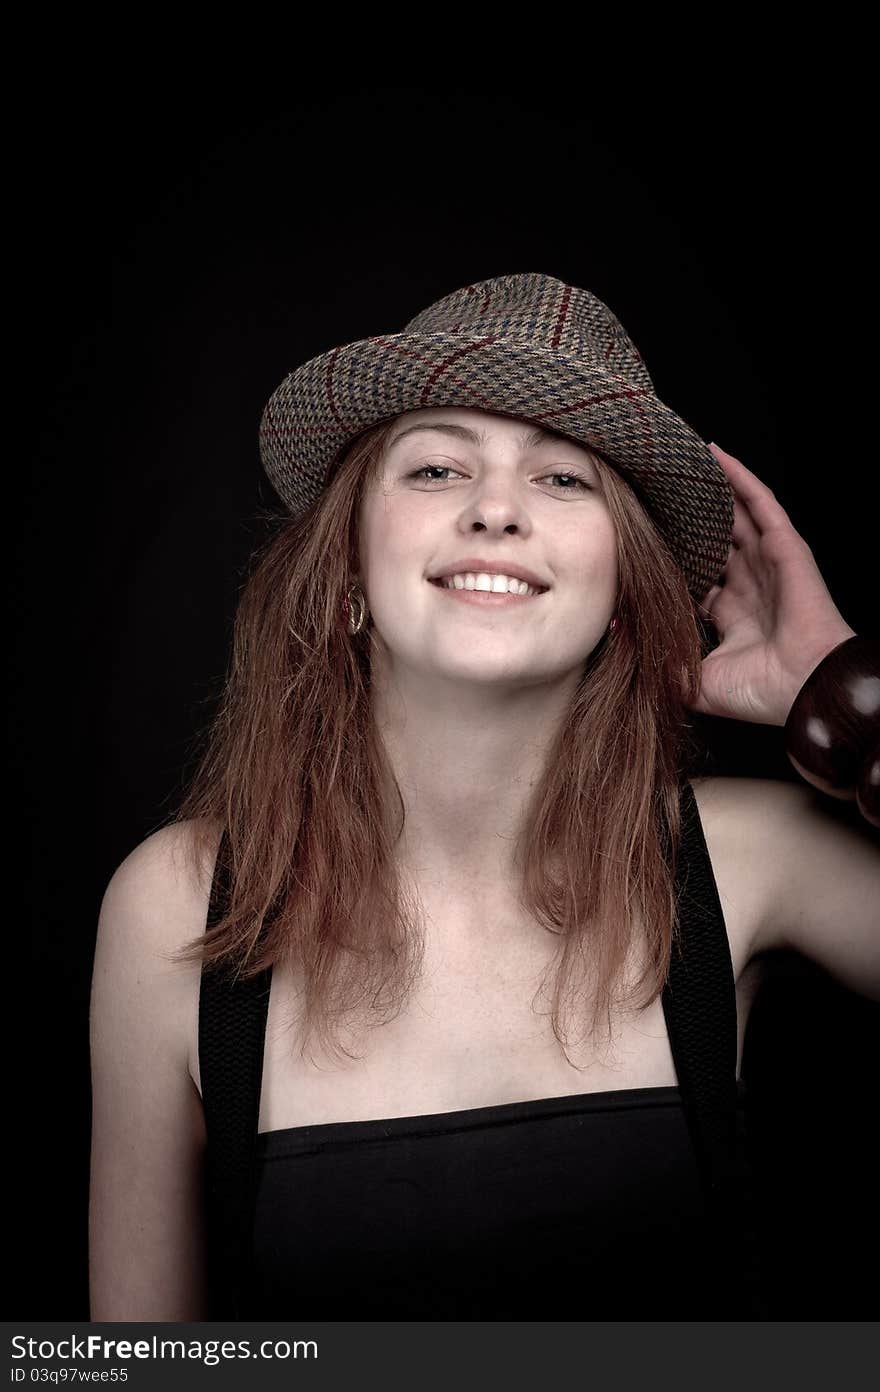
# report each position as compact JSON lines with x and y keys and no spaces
{"x":772,"y":611}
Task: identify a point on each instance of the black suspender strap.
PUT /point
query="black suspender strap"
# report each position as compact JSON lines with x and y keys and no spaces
{"x":699,"y":1003}
{"x":232,"y":1031}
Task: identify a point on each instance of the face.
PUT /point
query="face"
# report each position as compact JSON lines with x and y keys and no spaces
{"x":473,"y":496}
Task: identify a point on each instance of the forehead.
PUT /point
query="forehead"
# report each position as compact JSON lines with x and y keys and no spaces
{"x":482,"y":428}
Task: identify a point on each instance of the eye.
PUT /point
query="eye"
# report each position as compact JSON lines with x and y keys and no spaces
{"x":422,"y":472}
{"x":572,"y":479}
{"x":573,"y":482}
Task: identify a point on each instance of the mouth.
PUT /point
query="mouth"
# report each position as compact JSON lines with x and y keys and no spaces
{"x":498,"y":576}
{"x":491,"y":599}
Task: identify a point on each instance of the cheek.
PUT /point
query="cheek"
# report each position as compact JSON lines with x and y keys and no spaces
{"x":597,"y":563}
{"x":391,"y":542}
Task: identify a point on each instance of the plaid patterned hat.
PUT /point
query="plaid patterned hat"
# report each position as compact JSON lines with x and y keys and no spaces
{"x":528,"y":346}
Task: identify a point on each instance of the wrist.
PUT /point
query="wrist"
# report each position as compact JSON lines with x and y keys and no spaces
{"x":799,"y":678}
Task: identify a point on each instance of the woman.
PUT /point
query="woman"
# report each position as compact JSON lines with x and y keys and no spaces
{"x":465,"y":897}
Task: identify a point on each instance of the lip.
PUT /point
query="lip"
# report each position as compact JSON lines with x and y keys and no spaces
{"x":477,"y":564}
{"x":484,"y":598}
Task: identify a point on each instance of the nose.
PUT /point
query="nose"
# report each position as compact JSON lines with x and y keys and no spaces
{"x":497,"y":508}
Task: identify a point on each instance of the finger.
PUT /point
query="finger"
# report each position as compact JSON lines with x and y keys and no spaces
{"x":763,"y":506}
{"x":744,"y":533}
{"x":710,"y":599}
{"x":746,"y":574}
{"x":724,"y":600}
{"x":739,"y":590}
{"x":707,"y":606}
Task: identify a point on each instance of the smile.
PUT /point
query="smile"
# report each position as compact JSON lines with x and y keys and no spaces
{"x":485,"y":597}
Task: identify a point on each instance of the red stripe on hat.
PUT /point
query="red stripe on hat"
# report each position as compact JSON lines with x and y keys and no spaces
{"x":454,"y":357}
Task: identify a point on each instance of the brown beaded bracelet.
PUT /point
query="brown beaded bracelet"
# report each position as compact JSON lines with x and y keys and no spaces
{"x":832,"y":734}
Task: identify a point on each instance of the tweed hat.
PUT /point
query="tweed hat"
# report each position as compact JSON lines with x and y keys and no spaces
{"x":528,"y":346}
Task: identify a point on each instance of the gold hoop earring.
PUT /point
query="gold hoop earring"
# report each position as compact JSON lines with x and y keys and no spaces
{"x":354,"y":607}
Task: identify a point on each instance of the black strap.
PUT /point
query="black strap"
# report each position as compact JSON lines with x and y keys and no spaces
{"x":699,"y":1003}
{"x":232,"y":1032}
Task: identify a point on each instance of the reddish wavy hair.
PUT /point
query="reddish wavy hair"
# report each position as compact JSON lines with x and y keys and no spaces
{"x":293,"y":768}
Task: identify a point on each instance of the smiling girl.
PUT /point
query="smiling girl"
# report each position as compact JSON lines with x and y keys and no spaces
{"x":436,"y":986}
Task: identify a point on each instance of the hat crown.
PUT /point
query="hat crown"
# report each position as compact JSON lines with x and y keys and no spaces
{"x":542,"y":311}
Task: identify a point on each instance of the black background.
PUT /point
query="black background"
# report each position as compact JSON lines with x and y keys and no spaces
{"x":191,"y":235}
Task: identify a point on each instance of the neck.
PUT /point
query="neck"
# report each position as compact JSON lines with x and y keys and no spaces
{"x":467,"y":757}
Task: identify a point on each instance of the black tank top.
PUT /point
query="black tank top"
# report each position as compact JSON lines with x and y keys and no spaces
{"x":631,"y":1204}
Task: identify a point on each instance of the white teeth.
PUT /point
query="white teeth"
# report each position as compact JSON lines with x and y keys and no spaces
{"x":491,"y":584}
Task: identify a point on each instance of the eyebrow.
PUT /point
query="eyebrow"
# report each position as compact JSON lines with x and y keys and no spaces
{"x":529,"y":440}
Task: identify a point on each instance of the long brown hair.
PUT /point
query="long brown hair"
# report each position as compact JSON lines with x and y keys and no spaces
{"x":295,"y":771}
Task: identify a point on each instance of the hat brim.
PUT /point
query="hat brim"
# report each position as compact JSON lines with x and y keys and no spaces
{"x":324,"y":404}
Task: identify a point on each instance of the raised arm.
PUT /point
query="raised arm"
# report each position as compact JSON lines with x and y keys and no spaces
{"x":146,"y":1233}
{"x":814,"y":873}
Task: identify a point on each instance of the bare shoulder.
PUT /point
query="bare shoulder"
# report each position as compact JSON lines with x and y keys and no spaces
{"x":802,"y":871}
{"x":166,"y":858}
{"x":735,"y":812}
{"x":164,"y":881}
{"x":154,"y":904}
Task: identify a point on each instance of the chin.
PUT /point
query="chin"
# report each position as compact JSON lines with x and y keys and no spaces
{"x":505,"y":670}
